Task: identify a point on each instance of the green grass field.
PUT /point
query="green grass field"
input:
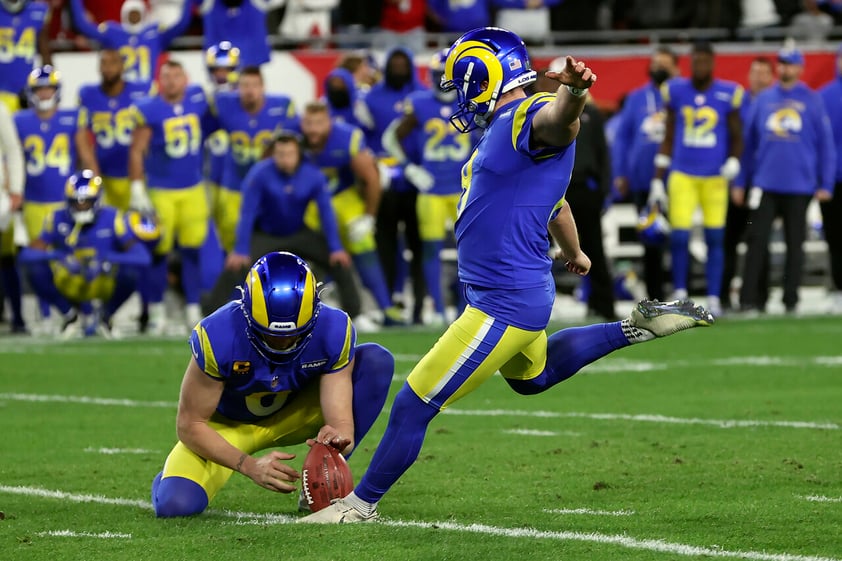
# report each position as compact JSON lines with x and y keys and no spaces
{"x":721,"y":442}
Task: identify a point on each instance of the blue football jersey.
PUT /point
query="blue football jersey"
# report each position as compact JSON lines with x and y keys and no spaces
{"x":700,"y":144}
{"x":108,"y":233}
{"x":254,"y":388}
{"x":509,"y":194}
{"x":250,"y":133}
{"x":111,"y":121}
{"x":174,"y":158}
{"x":343,"y":143}
{"x":444,"y":150}
{"x":50,"y":151}
{"x":18,"y":44}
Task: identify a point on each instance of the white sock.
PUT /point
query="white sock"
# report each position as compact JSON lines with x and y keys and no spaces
{"x":366,"y":509}
{"x":635,"y":334}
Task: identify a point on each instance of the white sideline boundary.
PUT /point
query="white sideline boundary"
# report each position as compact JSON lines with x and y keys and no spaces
{"x":588,"y":511}
{"x":642,"y":417}
{"x":821,"y":499}
{"x":659,"y":546}
{"x":72,"y":534}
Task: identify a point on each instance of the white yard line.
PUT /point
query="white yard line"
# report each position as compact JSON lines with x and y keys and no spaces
{"x":641,"y":417}
{"x":821,"y":499}
{"x":644,"y":418}
{"x":588,"y":511}
{"x":72,"y":534}
{"x":113,"y":451}
{"x":628,"y":542}
{"x":531,"y":432}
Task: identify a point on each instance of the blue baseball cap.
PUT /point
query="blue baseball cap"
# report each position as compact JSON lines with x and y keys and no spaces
{"x":789,"y":55}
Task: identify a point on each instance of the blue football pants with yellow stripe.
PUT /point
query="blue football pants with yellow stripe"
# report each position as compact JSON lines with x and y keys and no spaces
{"x":473,"y":348}
{"x":188,"y":481}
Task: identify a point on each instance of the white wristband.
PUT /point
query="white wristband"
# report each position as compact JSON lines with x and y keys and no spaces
{"x":662,"y":161}
{"x":578,"y":92}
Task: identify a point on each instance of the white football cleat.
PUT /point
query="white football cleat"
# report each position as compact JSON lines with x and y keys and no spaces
{"x":339,"y":512}
{"x":665,"y":318}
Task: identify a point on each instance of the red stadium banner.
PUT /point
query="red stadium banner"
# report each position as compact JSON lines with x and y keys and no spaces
{"x":619,"y":75}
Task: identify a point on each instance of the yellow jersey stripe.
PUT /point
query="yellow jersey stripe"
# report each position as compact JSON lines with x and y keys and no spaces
{"x":211,"y":366}
{"x":520,"y":115}
{"x":344,"y":356}
{"x":737,"y":102}
{"x":356,"y":141}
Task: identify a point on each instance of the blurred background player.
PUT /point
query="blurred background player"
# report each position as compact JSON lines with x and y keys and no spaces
{"x":341,"y":152}
{"x":274,"y":368}
{"x":790,"y":158}
{"x":701,"y":149}
{"x":437,"y":177}
{"x":11,"y":198}
{"x":106,"y":108}
{"x":397,"y":212}
{"x":139,"y":41}
{"x":345,"y":99}
{"x":166,"y":156}
{"x":86,"y":259}
{"x":832,"y":210}
{"x":243,"y":22}
{"x":222,"y":62}
{"x":249,"y":117}
{"x":640,"y":132}
{"x":761,"y":75}
{"x":54,"y":140}
{"x":277,"y":192}
{"x":24,"y":27}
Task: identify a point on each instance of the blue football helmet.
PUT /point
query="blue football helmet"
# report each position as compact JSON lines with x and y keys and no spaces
{"x":83,"y":192}
{"x":482,"y":65}
{"x":436,"y":73}
{"x":653,"y":228}
{"x":281,"y":305}
{"x":43,"y":77}
{"x":222,"y":56}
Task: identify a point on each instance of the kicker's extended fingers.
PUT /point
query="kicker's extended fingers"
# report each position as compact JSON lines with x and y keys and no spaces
{"x":285,"y":472}
{"x":274,"y":484}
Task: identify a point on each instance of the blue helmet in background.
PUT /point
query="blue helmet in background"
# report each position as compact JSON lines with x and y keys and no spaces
{"x":223,"y":56}
{"x":482,"y":65}
{"x":281,"y":305}
{"x":436,"y":73}
{"x":83,"y":192}
{"x":653,"y":228}
{"x":43,"y":77}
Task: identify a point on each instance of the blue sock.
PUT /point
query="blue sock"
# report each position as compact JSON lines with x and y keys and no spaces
{"x":432,"y":272}
{"x":374,"y":367}
{"x":399,"y":447}
{"x":124,"y":286}
{"x":10,"y":277}
{"x":371,"y":273}
{"x":153,"y":281}
{"x":40,"y":278}
{"x":680,"y":249}
{"x":715,"y":240}
{"x":191,"y":277}
{"x":177,"y":496}
{"x":571,"y":349}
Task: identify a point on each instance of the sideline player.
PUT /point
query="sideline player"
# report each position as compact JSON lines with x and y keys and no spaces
{"x":702,"y":146}
{"x":272,"y":369}
{"x":510,"y":197}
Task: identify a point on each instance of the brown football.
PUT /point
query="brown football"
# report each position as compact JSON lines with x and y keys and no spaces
{"x":325,"y":476}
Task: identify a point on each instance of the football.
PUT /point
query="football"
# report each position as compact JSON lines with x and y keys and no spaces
{"x":325,"y":476}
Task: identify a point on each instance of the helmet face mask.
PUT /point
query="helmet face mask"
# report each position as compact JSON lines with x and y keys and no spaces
{"x":281,"y":306}
{"x":222,"y":61}
{"x":481,"y":66}
{"x":42,"y":78}
{"x":83,"y":192}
